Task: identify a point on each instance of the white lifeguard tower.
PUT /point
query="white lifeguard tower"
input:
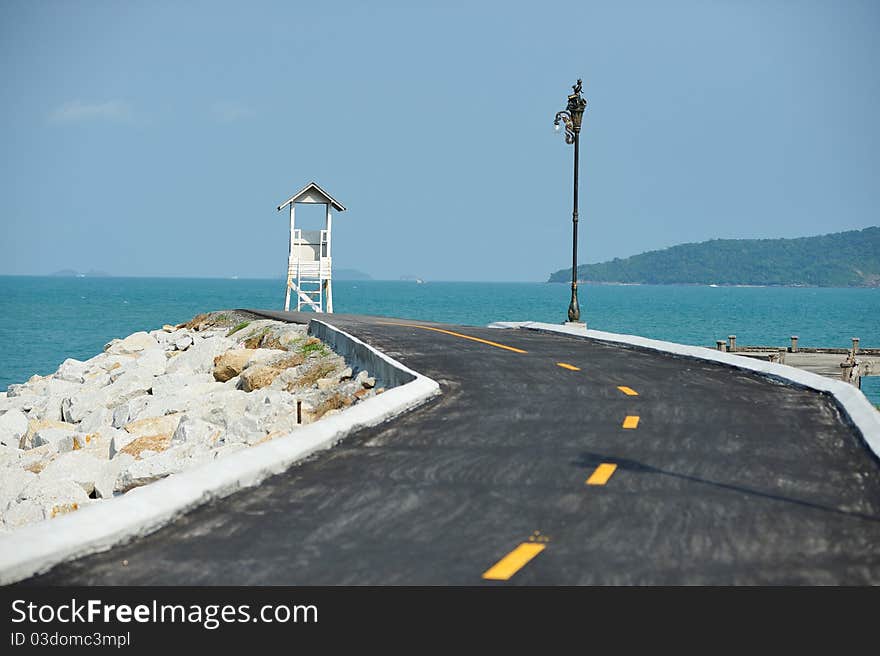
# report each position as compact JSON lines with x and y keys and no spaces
{"x":309,"y":269}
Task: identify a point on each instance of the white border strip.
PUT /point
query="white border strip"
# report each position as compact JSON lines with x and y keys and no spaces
{"x":851,"y":401}
{"x":34,"y":549}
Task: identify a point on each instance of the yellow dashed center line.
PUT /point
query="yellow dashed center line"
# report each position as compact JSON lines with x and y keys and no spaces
{"x":631,"y":421}
{"x":570,"y":367}
{"x":514,"y":561}
{"x":602,"y":474}
{"x":449,"y":332}
{"x":629,"y":391}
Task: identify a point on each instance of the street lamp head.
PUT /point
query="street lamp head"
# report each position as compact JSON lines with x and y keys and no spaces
{"x":573,"y":114}
{"x":576,"y":105}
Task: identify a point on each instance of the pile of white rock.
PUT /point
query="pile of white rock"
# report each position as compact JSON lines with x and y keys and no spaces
{"x":154,"y":404}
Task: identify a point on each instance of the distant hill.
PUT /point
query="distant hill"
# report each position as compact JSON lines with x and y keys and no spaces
{"x":350,"y":274}
{"x":842,"y":259}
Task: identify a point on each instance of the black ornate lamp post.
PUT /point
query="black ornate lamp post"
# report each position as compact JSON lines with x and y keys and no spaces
{"x":571,"y":116}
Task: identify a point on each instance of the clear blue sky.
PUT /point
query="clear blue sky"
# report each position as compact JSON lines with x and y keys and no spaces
{"x":156,"y":138}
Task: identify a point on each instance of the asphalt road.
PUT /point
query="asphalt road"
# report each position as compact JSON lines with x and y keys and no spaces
{"x":724,"y":478}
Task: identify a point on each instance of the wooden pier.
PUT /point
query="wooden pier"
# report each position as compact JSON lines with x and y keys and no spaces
{"x":844,"y":364}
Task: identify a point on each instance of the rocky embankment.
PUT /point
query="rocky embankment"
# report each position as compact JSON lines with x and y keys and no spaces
{"x":154,"y":404}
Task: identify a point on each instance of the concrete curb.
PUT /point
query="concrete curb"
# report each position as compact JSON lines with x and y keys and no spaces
{"x":34,"y":549}
{"x":852,"y":403}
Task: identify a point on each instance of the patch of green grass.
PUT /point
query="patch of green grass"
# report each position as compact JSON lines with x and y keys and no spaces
{"x":243,"y":324}
{"x":307,"y":349}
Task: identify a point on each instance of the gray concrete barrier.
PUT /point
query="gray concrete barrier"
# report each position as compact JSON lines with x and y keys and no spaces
{"x":387,"y":372}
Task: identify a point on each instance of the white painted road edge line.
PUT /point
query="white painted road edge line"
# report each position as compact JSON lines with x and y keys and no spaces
{"x":34,"y":549}
{"x":851,"y":401}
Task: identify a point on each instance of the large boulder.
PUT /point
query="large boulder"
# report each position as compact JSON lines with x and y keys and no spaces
{"x":314,"y":404}
{"x":15,"y":390}
{"x":8,"y":457}
{"x":152,"y":361}
{"x":8,"y":403}
{"x":146,"y":446}
{"x":222,"y":407}
{"x":99,"y":443}
{"x":109,"y":362}
{"x":172,"y":461}
{"x":45,"y":499}
{"x":107,"y":479}
{"x":12,"y":482}
{"x":260,"y":376}
{"x":133,"y":382}
{"x":275,"y":410}
{"x":47,"y":407}
{"x":134,"y":343}
{"x":71,"y":370}
{"x":75,"y":408}
{"x":244,"y":429}
{"x":80,"y":467}
{"x":97,"y":419}
{"x":64,"y":439}
{"x":43,"y":386}
{"x":35,"y":459}
{"x":183,"y":342}
{"x":166,"y":424}
{"x":193,"y":430}
{"x":288,"y":380}
{"x":184,"y":382}
{"x":269,"y":356}
{"x":13,"y":426}
{"x":27,"y":440}
{"x":166,"y":404}
{"x":120,"y":441}
{"x":168,"y":337}
{"x":22,"y":513}
{"x":199,"y":358}
{"x":230,"y":364}
{"x":96,"y":379}
{"x":129,"y":410}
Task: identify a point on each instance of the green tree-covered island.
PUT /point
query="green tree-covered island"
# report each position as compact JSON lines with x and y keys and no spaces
{"x":842,"y":259}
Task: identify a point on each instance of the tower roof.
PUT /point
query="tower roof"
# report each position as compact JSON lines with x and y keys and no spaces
{"x":312,"y":193}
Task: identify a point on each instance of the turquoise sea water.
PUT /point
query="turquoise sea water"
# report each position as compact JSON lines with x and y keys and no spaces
{"x":45,"y":320}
